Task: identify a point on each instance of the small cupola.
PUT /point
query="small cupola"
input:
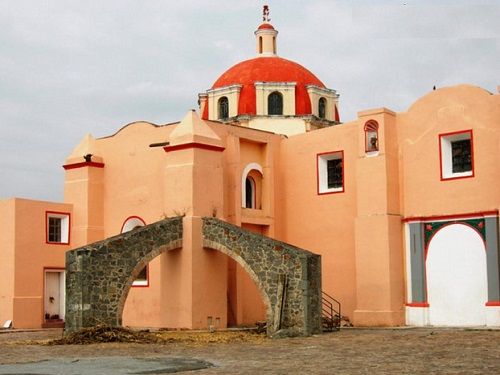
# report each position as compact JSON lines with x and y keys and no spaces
{"x":266,"y":36}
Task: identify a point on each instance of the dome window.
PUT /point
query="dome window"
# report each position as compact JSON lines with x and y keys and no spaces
{"x":223,"y":105}
{"x":275,"y":104}
{"x":322,"y":108}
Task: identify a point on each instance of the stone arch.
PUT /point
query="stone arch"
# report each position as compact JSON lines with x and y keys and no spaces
{"x":276,"y":267}
{"x":99,"y":275}
{"x":241,"y":261}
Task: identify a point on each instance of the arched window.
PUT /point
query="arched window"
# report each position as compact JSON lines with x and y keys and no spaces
{"x":371,"y":136}
{"x":274,"y":45}
{"x":275,"y":104}
{"x":250,"y":192}
{"x":322,"y":108}
{"x":260,"y":44}
{"x":223,"y":105}
{"x":134,"y":222}
{"x":251,"y":186}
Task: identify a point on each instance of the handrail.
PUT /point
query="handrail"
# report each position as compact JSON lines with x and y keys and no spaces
{"x":331,"y":316}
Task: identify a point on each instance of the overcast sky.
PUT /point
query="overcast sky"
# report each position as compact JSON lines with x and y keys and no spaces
{"x":68,"y":68}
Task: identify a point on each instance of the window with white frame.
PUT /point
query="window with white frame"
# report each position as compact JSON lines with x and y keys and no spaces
{"x":457,"y":156}
{"x":57,"y":227}
{"x":330,"y":172}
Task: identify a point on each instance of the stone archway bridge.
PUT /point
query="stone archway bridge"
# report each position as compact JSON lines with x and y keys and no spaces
{"x":100,"y":275}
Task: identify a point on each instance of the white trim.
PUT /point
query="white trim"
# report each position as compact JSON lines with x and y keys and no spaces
{"x":493,"y":316}
{"x":417,"y":316}
{"x":249,"y":167}
{"x":408,"y":265}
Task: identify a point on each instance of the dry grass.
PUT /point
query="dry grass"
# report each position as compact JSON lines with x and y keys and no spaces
{"x":105,"y":334}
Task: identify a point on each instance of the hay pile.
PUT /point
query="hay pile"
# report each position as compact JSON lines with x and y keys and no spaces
{"x":106,"y":334}
{"x":102,"y":333}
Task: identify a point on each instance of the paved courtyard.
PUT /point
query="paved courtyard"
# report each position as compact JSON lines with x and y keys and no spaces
{"x":350,"y":351}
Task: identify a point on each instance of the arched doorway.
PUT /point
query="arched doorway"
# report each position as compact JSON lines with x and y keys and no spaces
{"x":456,"y":277}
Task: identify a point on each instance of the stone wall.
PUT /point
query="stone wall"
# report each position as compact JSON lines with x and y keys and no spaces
{"x":274,"y":266}
{"x":100,"y":275}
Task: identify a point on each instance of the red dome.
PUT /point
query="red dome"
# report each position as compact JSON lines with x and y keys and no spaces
{"x":269,"y":69}
{"x":265,"y":26}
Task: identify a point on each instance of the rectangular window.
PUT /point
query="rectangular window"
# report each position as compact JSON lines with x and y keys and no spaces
{"x":330,"y":172}
{"x":142,"y":278}
{"x":457,"y":156}
{"x":461,"y":157}
{"x":57,"y":227}
{"x":334,"y":172}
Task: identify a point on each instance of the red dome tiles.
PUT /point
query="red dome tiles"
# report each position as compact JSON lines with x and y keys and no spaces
{"x":264,"y":26}
{"x":269,"y":69}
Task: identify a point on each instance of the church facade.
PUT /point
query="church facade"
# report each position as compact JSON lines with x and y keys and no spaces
{"x":402,"y":207}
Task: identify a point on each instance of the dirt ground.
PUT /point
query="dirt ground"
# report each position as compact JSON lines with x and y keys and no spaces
{"x":350,"y":351}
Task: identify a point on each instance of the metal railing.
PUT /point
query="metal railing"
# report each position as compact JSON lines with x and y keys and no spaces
{"x":330,"y":316}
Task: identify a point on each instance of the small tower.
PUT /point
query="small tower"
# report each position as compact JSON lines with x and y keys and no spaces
{"x":266,"y":36}
{"x":84,"y":188}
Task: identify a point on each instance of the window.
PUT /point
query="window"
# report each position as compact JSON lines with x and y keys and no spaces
{"x":57,"y":228}
{"x":330,"y":172}
{"x":251,"y":186}
{"x":371,"y":136}
{"x":223,"y":105}
{"x":260,"y":44}
{"x":142,"y":278}
{"x":457,"y":156}
{"x":275,"y":104}
{"x":250,"y":192}
{"x":460,"y":156}
{"x":131,"y":223}
{"x":322,"y":108}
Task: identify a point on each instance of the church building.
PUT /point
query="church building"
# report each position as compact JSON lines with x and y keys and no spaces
{"x":402,"y":207}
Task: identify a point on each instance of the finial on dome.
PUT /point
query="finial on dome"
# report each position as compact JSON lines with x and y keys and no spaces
{"x":265,"y":14}
{"x":266,"y":35}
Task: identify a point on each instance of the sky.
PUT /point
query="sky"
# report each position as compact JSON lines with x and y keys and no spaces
{"x":69,"y":68}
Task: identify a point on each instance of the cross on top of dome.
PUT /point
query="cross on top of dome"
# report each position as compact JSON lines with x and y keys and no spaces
{"x":265,"y":14}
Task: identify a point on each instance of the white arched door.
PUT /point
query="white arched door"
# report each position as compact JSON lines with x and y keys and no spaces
{"x":456,"y":277}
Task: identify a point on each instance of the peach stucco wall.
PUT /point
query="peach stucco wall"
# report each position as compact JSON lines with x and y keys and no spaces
{"x":323,"y":223}
{"x":447,"y":110}
{"x":150,"y":183}
{"x":7,"y":245}
{"x":31,"y":257}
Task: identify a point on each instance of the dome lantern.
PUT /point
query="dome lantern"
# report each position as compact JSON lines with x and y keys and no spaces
{"x":265,"y":36}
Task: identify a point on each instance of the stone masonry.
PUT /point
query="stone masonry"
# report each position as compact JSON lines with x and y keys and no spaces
{"x":273,"y":264}
{"x":100,"y":275}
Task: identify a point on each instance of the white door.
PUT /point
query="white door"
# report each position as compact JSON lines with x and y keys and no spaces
{"x":456,"y":277}
{"x":54,"y":294}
